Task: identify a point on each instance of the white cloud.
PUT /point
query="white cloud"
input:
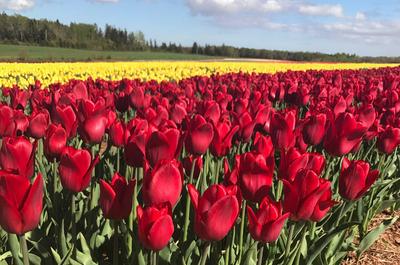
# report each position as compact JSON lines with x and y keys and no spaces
{"x":361,"y":16}
{"x":16,"y":5}
{"x":321,"y":10}
{"x":106,"y":1}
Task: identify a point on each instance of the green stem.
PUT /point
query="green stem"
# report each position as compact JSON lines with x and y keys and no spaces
{"x":73,"y":220}
{"x":260,"y":256}
{"x":55,"y":179}
{"x":303,"y":237}
{"x":24,"y":250}
{"x":337,"y":222}
{"x":241,"y":233}
{"x":187,"y":208}
{"x":204,"y":256}
{"x":115,"y":249}
{"x":271,"y":253}
{"x":289,"y":243}
{"x":219,"y":163}
{"x":118,"y":160}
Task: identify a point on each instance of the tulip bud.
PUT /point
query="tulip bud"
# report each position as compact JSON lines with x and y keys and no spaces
{"x":163,"y":183}
{"x":266,"y":224}
{"x":388,"y":140}
{"x":76,"y":168}
{"x":20,"y":202}
{"x":55,"y":141}
{"x":216,"y":211}
{"x":155,"y":226}
{"x":162,"y":146}
{"x":117,"y":133}
{"x":314,"y":129}
{"x":306,"y":196}
{"x":116,"y":198}
{"x":17,"y":156}
{"x":282,"y":129}
{"x":222,"y":141}
{"x":355,"y":179}
{"x":38,"y":124}
{"x":199,"y":135}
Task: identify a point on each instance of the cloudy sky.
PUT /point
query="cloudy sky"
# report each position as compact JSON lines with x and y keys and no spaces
{"x":364,"y":27}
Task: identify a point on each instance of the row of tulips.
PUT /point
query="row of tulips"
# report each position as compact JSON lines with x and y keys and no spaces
{"x":239,"y":168}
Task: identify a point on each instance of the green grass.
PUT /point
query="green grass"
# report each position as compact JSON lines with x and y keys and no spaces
{"x":37,"y":53}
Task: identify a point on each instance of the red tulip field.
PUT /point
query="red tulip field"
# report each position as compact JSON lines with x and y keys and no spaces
{"x":233,"y":169}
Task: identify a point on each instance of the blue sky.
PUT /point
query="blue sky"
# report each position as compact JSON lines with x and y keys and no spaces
{"x":364,"y":27}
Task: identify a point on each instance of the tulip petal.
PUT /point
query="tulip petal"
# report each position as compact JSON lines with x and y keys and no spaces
{"x":32,"y":208}
{"x":160,"y":232}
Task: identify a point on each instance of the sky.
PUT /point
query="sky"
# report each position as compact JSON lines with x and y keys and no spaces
{"x":363,"y":27}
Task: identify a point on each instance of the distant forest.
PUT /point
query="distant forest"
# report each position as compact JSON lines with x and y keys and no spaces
{"x":17,"y":29}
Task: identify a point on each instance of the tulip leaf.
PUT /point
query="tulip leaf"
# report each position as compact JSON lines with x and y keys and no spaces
{"x":56,"y":256}
{"x":374,"y":234}
{"x":141,"y":260}
{"x":5,"y":255}
{"x":322,"y":242}
{"x":250,"y":255}
{"x":14,"y":247}
{"x":62,"y":240}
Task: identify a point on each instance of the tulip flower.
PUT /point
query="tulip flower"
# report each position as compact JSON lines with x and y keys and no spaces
{"x":75,"y":168}
{"x":282,"y":129}
{"x":255,"y":173}
{"x":65,"y":115}
{"x":388,"y":140}
{"x":266,"y":224}
{"x":116,"y":198}
{"x":17,"y":156}
{"x":292,"y":161}
{"x":55,"y":141}
{"x":355,"y":179}
{"x":344,"y":135}
{"x":222,"y":141}
{"x":7,"y":124}
{"x":163,"y":183}
{"x":162,"y":146}
{"x":155,"y":226}
{"x":263,"y":145}
{"x":93,"y":120}
{"x":117,"y":134}
{"x":20,"y":203}
{"x":38,"y":124}
{"x":216,"y":211}
{"x":134,"y":149}
{"x":314,"y":129}
{"x":199,"y":136}
{"x":305,"y":194}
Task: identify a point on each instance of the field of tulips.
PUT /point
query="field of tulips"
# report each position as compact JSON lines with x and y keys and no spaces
{"x":228,"y":169}
{"x":24,"y":74}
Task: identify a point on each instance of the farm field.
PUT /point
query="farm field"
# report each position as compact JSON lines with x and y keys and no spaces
{"x":9,"y":52}
{"x":189,"y":162}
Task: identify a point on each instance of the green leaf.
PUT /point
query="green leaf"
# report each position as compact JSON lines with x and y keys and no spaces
{"x":374,"y":234}
{"x":322,"y":242}
{"x":56,"y":256}
{"x":5,"y":255}
{"x":14,"y":247}
{"x":250,"y":255}
{"x":84,"y":245}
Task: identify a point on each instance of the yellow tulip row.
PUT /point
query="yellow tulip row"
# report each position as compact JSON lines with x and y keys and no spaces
{"x":23,"y":74}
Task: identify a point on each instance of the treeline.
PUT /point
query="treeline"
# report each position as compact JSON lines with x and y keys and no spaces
{"x":17,"y":29}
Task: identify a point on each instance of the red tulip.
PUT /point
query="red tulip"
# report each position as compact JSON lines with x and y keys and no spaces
{"x":266,"y":224}
{"x":162,"y":146}
{"x":117,"y":134}
{"x":255,"y":175}
{"x":93,"y":120}
{"x":222,"y":141}
{"x":199,"y":136}
{"x":134,"y":149}
{"x":7,"y":124}
{"x":155,"y":226}
{"x":314,"y":129}
{"x":323,"y":206}
{"x":388,"y":140}
{"x":55,"y":141}
{"x":116,"y":198}
{"x":17,"y":156}
{"x":263,"y":145}
{"x":216,"y":211}
{"x":344,"y":135}
{"x":355,"y":179}
{"x":75,"y":168}
{"x":38,"y":124}
{"x":282,"y":129}
{"x":20,"y":203}
{"x":65,"y":115}
{"x":21,"y":122}
{"x":292,"y":161}
{"x":163,"y":183}
{"x":304,"y":195}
